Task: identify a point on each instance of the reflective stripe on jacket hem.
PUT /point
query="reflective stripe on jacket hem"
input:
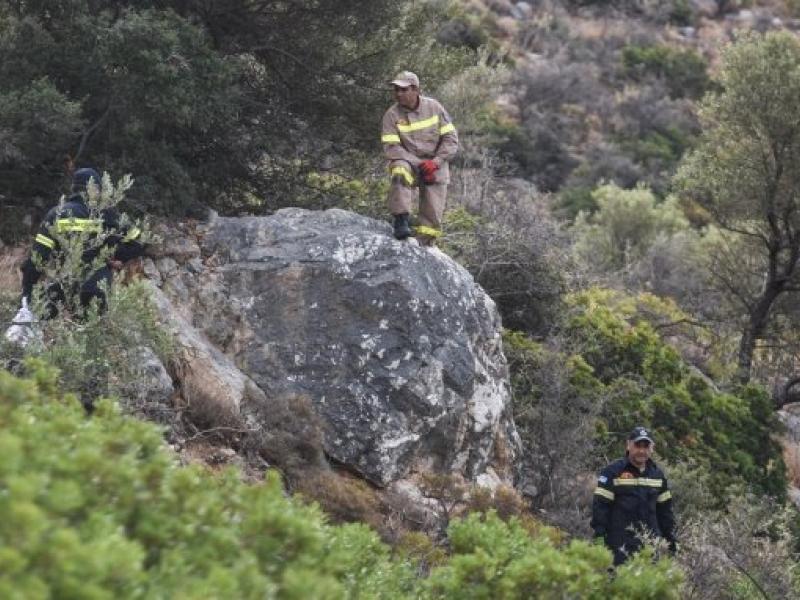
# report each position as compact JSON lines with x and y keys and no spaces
{"x":640,"y":481}
{"x":603,"y":492}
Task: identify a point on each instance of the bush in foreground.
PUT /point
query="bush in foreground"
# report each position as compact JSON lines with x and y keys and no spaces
{"x":95,"y":507}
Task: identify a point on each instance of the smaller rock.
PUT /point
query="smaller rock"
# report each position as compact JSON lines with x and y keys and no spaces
{"x":746,"y":15}
{"x":704,"y":8}
{"x":688,"y":32}
{"x":151,"y":271}
{"x":501,"y":7}
{"x":195,"y":266}
{"x":166,"y":266}
{"x":522,"y":11}
{"x":179,"y":248}
{"x":151,"y":394}
{"x":489,"y":479}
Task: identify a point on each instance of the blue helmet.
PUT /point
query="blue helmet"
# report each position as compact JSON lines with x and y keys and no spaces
{"x":81,"y":178}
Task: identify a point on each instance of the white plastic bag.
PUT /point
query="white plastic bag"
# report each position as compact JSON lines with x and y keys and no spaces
{"x":23,"y":328}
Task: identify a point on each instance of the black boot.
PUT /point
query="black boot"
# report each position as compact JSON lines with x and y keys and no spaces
{"x":401,"y":227}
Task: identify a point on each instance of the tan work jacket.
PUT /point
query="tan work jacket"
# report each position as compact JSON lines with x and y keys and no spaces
{"x":417,"y":135}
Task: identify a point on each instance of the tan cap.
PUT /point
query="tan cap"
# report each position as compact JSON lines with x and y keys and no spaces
{"x":405,"y":79}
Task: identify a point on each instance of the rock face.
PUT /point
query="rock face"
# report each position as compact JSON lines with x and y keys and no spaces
{"x":395,"y":346}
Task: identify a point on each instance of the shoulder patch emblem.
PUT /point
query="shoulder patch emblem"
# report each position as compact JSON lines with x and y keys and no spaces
{"x":602,"y":479}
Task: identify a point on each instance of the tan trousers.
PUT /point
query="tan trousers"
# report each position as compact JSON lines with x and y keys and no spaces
{"x":432,"y":199}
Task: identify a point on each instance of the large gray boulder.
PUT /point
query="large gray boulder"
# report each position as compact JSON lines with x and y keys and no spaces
{"x":396,"y":347}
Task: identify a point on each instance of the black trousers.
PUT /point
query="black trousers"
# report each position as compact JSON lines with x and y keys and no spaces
{"x":91,"y":289}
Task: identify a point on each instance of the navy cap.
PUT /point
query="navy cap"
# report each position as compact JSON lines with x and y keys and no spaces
{"x":82,"y":177}
{"x":638,"y":434}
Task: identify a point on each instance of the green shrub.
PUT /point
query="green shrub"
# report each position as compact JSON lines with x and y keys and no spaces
{"x":624,"y":225}
{"x":646,"y":381}
{"x":658,"y":149}
{"x":606,"y":369}
{"x":497,"y":559}
{"x":684,"y":72}
{"x":98,"y":352}
{"x":574,"y":200}
{"x":681,"y":13}
{"x":96,"y":508}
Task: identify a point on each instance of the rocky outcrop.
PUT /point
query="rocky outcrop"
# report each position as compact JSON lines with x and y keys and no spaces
{"x":394,"y":346}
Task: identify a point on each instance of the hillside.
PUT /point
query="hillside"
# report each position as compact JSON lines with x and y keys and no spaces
{"x":344,"y":415}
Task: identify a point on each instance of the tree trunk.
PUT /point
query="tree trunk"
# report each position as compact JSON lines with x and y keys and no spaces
{"x":754,"y":330}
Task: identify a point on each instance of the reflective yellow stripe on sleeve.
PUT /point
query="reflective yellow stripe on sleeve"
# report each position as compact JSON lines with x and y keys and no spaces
{"x":404,"y":173}
{"x":78,"y":225}
{"x":390,"y":138}
{"x":663,"y":497}
{"x":45,"y":241}
{"x":429,"y":231}
{"x":424,"y":124}
{"x":446,"y":128}
{"x":603,"y":492}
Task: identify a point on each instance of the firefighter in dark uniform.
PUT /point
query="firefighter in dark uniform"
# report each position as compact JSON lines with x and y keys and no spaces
{"x":632,"y":496}
{"x":96,"y":230}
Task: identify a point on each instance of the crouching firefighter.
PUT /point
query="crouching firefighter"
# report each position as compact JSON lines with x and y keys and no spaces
{"x":418,"y":139}
{"x":96,"y":232}
{"x":632,"y":498}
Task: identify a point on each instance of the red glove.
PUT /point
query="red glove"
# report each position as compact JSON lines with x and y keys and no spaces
{"x":428,"y":169}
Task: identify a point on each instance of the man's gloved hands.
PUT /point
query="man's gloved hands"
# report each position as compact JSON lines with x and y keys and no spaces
{"x":428,"y":170}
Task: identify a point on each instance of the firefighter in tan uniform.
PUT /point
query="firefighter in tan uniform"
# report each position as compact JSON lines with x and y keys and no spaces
{"x":418,"y":141}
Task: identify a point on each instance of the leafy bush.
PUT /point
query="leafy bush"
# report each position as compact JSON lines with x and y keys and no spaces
{"x":496,"y":559}
{"x":95,"y":507}
{"x":743,"y":551}
{"x":556,"y":406}
{"x":555,"y":117}
{"x":624,"y":226}
{"x":505,"y":237}
{"x":646,"y":381}
{"x":99,"y":352}
{"x":234,"y":97}
{"x":684,"y":71}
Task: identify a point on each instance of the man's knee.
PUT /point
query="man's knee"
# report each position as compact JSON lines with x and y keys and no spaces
{"x":95,"y":288}
{"x":402,"y":174}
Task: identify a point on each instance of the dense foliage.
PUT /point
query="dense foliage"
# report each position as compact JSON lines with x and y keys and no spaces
{"x":94,"y":507}
{"x":744,"y":173}
{"x":99,"y":352}
{"x":618,"y":369}
{"x":223,"y":103}
{"x":249,"y":106}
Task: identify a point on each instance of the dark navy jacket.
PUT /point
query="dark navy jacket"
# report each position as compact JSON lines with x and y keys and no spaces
{"x":98,"y":230}
{"x":626,"y":501}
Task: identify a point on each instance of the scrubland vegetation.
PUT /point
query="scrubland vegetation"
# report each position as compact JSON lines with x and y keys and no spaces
{"x":627,"y":193}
